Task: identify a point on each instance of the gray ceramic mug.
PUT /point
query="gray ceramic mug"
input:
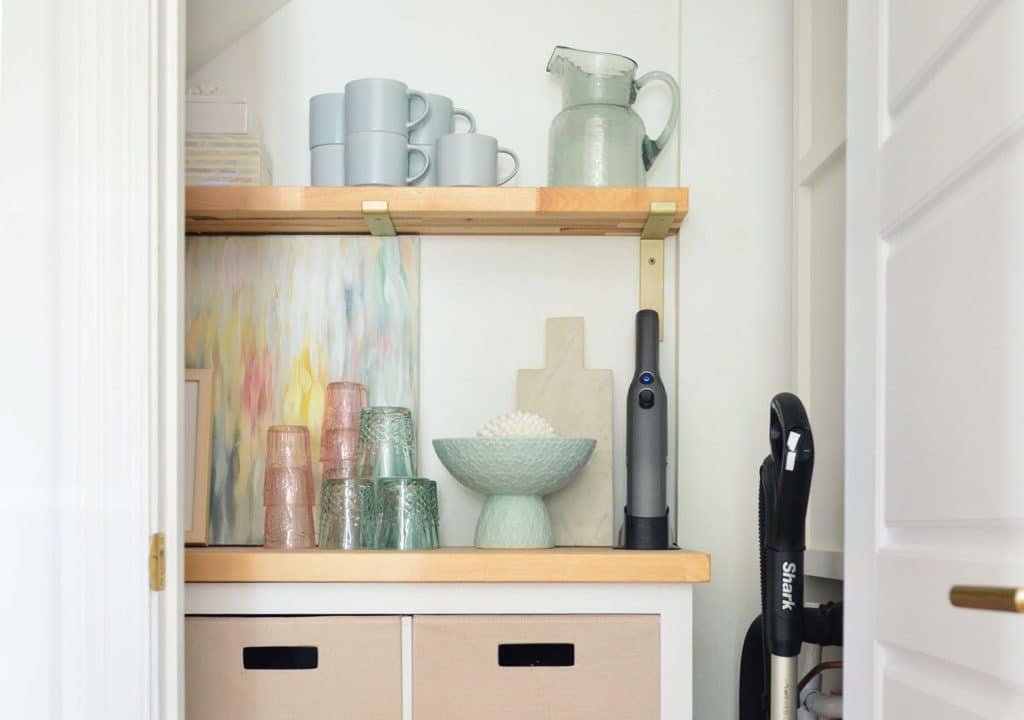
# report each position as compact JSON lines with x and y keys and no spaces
{"x":471,"y":159}
{"x":379,"y":104}
{"x":441,"y":120}
{"x":326,"y":119}
{"x":327,"y":165}
{"x":380,"y":158}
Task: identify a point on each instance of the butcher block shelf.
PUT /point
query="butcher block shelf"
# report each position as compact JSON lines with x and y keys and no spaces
{"x":430,"y":210}
{"x":446,"y":565}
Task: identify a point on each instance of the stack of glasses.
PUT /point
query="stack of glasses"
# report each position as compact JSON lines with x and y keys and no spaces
{"x":339,"y":434}
{"x":383,"y":504}
{"x":288,"y":493}
{"x":345,"y":500}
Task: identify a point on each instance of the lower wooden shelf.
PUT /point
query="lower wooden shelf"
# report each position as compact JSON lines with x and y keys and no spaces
{"x":446,"y":565}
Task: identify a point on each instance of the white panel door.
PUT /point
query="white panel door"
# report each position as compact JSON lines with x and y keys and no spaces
{"x":935,"y":356}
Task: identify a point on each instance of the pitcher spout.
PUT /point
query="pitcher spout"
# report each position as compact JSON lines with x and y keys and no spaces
{"x":591,"y":77}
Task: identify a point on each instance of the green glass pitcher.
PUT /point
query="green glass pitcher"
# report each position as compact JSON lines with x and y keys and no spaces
{"x":597,"y":139}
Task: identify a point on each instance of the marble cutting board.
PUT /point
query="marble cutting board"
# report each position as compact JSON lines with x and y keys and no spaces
{"x":578,"y":402}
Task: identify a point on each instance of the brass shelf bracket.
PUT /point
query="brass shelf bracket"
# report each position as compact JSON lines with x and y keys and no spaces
{"x":378,"y":218}
{"x":652,"y":260}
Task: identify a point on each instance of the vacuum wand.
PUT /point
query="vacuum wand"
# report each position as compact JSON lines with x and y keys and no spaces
{"x":785,"y":489}
{"x":646,"y":444}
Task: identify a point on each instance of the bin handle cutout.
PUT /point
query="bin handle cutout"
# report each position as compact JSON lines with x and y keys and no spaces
{"x":280,"y":657}
{"x":536,"y":655}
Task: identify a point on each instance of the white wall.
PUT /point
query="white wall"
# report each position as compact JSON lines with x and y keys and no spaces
{"x":29,"y":607}
{"x":734,"y":307}
{"x":483,"y":300}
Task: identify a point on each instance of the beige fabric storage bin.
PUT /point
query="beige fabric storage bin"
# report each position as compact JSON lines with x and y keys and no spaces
{"x":557,"y":667}
{"x":357,"y":673}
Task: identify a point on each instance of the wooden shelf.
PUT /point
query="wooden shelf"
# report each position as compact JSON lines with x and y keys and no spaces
{"x":446,"y":565}
{"x":429,"y":211}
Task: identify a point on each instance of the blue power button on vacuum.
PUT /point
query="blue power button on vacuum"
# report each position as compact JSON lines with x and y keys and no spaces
{"x":646,"y":378}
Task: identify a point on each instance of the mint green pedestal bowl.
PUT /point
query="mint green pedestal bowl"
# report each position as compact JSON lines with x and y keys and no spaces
{"x":515,"y":474}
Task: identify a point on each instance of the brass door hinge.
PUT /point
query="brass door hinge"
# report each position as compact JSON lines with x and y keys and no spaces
{"x":157,"y":562}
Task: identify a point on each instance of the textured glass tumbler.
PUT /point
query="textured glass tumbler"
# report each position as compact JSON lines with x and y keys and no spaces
{"x":337,"y":469}
{"x":288,"y":475}
{"x":288,"y":486}
{"x":347,"y":507}
{"x":386,"y":445}
{"x":407,"y":514}
{"x":343,"y":403}
{"x":339,"y":444}
{"x":288,"y":446}
{"x":288,"y":526}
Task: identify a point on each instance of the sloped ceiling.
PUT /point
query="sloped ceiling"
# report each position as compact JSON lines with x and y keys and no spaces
{"x":213,"y":25}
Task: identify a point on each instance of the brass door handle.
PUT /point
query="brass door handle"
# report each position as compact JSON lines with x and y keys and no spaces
{"x":986,"y":597}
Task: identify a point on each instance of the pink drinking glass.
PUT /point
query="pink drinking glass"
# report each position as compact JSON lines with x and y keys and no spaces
{"x":288,"y":446}
{"x":288,"y":485}
{"x":288,"y":526}
{"x":337,"y":444}
{"x":339,"y":469}
{"x":343,"y":402}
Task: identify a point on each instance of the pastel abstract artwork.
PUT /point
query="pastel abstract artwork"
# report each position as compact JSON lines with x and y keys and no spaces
{"x":277,"y":318}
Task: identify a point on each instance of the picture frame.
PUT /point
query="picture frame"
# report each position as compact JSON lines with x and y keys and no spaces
{"x":195,"y":454}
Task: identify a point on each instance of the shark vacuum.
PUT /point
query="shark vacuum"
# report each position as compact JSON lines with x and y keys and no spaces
{"x":646,"y":444}
{"x":768,"y":665}
{"x":785,"y":490}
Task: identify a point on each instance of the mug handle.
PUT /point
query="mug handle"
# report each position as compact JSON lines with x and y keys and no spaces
{"x":468,"y":115}
{"x":423,"y":115}
{"x":515,"y":159}
{"x":426,"y":165}
{"x":652,"y":148}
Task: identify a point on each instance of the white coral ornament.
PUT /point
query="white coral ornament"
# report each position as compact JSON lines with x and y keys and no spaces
{"x":517,"y":424}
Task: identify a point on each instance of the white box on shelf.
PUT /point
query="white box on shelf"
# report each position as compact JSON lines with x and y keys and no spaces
{"x":216,"y":114}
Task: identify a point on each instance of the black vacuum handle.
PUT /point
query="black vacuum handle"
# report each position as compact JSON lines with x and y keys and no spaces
{"x":786,"y":487}
{"x":793,"y":453}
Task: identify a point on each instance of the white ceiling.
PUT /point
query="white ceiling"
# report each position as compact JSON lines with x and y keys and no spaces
{"x":213,"y":25}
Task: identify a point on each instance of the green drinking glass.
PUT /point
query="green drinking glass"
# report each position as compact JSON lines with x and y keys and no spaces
{"x":347,"y":514}
{"x":387,"y":446}
{"x":407,"y":514}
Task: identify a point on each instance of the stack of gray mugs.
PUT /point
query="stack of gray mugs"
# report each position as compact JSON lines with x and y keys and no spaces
{"x":379,"y":132}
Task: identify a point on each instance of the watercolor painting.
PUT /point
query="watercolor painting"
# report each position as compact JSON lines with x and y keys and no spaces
{"x":279,"y":317}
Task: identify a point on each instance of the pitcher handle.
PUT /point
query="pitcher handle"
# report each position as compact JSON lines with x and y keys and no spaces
{"x":652,"y":148}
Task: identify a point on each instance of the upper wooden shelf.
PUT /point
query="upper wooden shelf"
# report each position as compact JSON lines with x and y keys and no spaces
{"x":447,"y":565}
{"x":428,"y":211}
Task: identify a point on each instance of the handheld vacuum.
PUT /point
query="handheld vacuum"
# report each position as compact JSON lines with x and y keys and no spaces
{"x":768,"y":664}
{"x":646,"y":444}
